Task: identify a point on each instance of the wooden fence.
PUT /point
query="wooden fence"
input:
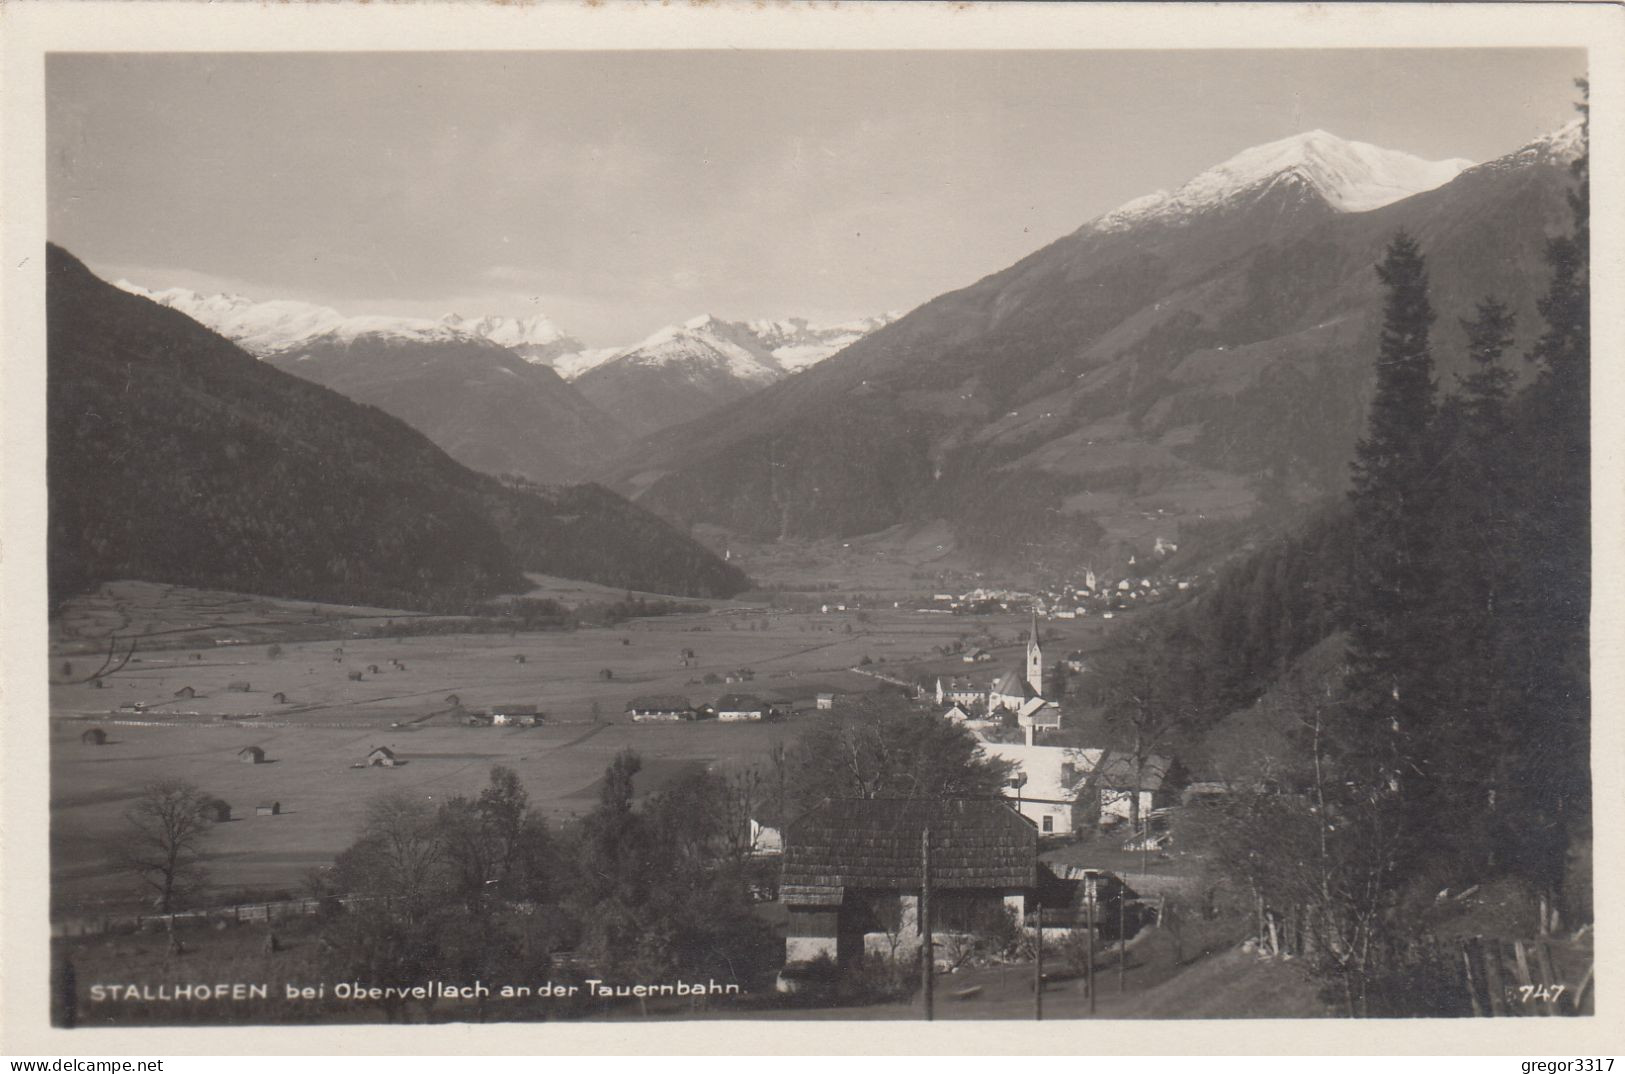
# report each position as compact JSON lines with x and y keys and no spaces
{"x":1525,"y":978}
{"x":239,"y":914}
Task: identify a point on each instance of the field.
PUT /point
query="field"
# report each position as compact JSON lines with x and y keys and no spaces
{"x":328,"y":721}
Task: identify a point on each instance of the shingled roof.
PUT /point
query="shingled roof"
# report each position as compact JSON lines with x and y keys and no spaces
{"x":874,"y":844}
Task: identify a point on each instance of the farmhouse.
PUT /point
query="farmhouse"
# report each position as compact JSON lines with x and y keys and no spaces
{"x":185,"y":691}
{"x":215,"y":810}
{"x":251,"y":755}
{"x":268,"y":809}
{"x":382,"y":757}
{"x":94,"y":737}
{"x":956,"y":713}
{"x":826,"y":701}
{"x":658,"y":708}
{"x":961,"y":692}
{"x":518,"y":715}
{"x":737,"y":708}
{"x":239,"y":687}
{"x":853,"y":871}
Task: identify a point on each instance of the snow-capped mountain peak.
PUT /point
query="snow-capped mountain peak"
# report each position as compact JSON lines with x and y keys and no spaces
{"x":1351,"y":177}
{"x":258,"y":327}
{"x":1560,"y":146}
{"x":535,"y":331}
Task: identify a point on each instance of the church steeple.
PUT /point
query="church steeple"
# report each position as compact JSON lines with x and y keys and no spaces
{"x":1035,"y":659}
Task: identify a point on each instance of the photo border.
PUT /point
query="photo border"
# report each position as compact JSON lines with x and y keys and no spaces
{"x":30,"y":30}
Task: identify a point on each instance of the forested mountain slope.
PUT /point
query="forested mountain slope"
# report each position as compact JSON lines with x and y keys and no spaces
{"x":176,"y":456}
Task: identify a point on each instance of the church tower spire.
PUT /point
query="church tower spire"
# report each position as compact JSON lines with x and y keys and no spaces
{"x":1035,"y":659}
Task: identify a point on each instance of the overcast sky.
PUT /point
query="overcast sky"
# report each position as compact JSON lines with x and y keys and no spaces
{"x":619,"y":192}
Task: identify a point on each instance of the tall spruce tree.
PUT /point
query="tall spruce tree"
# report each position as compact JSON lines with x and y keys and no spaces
{"x":1469,"y":739}
{"x":1391,"y":582}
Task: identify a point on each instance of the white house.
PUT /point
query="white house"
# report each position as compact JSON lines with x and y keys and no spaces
{"x":737,"y":708}
{"x":1044,"y":782}
{"x":765,"y":840}
{"x":1047,"y":782}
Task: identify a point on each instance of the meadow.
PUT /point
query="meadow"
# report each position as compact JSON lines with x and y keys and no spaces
{"x":328,"y":720}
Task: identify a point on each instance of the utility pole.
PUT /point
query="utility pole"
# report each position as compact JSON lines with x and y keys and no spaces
{"x":1122,"y":937}
{"x":1092,"y":889}
{"x":1038,"y":964}
{"x":926,"y":967}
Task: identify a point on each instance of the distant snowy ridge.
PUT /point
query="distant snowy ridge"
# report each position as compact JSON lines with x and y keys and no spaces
{"x":756,"y":351}
{"x":283,"y":325}
{"x":1351,"y":176}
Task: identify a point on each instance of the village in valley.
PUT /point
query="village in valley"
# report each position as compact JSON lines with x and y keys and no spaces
{"x":1188,"y":620}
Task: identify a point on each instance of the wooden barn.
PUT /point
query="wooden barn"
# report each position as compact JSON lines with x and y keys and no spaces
{"x":216,"y":810}
{"x":280,"y":698}
{"x":251,"y":755}
{"x":454,"y":701}
{"x":185,"y":691}
{"x":853,"y":872}
{"x":382,"y":757}
{"x":94,"y":737}
{"x":268,"y":809}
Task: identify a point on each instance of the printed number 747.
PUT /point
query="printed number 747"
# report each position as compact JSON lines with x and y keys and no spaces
{"x":1543,"y":993}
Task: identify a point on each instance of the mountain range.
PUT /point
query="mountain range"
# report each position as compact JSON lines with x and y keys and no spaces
{"x":176,"y":456}
{"x":494,"y":391}
{"x":1177,"y":365}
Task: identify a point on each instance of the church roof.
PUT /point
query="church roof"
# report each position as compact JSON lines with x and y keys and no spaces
{"x":1013,"y":684}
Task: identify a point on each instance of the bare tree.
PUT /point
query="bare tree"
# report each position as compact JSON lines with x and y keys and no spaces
{"x":400,"y":854}
{"x":163,"y":847}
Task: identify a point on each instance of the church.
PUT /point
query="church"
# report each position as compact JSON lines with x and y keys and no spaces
{"x":1023,"y":694}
